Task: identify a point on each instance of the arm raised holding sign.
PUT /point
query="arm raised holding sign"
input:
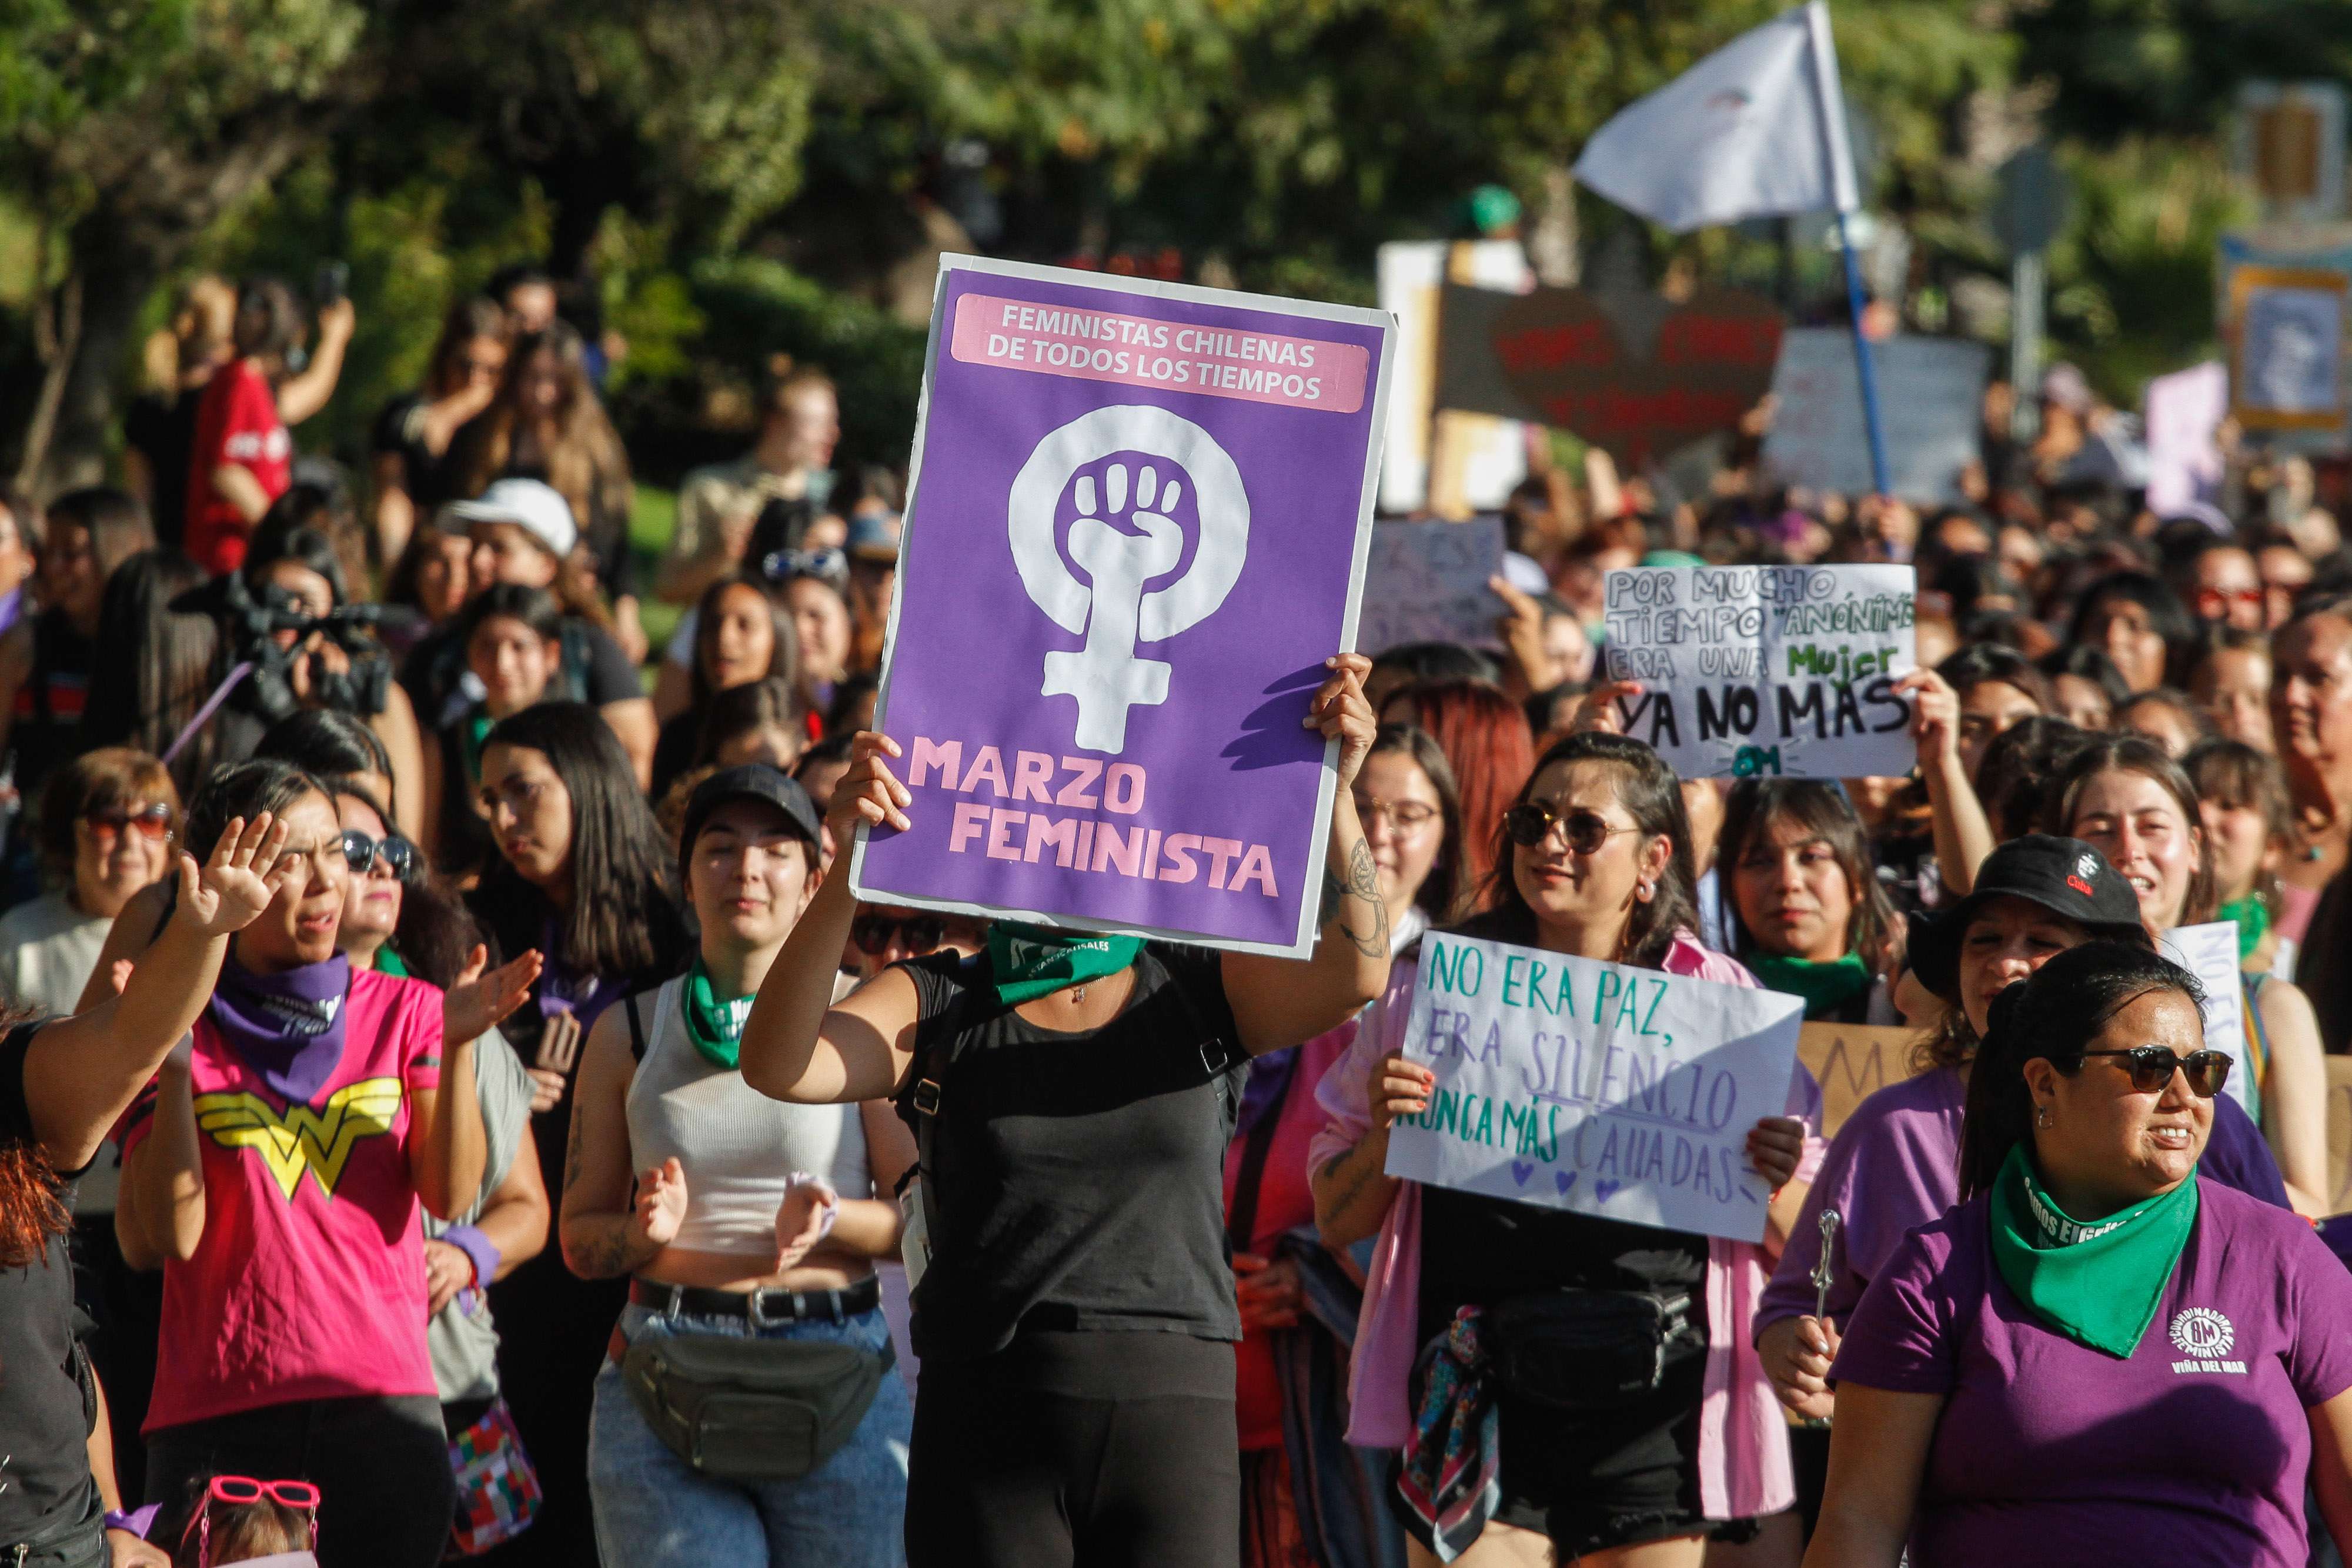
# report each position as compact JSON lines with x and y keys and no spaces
{"x":1963,"y":836}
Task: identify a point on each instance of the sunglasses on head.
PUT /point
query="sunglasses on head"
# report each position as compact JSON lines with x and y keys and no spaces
{"x":152,"y":822}
{"x":396,"y":854}
{"x":2152,"y":1067}
{"x":917,"y":934}
{"x":1530,"y":822}
{"x":239,"y":1491}
{"x":826,"y":565}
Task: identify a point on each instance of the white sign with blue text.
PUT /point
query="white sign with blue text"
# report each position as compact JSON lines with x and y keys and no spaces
{"x":1572,"y":1083}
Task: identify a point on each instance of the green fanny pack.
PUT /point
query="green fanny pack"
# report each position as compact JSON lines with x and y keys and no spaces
{"x":750,"y":1409}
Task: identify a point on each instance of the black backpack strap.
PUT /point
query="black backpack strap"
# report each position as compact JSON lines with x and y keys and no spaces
{"x":636,"y":1026}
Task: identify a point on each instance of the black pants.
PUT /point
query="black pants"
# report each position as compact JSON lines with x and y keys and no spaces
{"x":386,"y":1498}
{"x":128,"y":1308}
{"x":1078,"y":1451}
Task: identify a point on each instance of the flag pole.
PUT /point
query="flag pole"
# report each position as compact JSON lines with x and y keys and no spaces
{"x":1828,"y":98}
{"x":1862,"y":371}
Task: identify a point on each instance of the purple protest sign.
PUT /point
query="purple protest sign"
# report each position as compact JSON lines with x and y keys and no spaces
{"x":1137,"y":521}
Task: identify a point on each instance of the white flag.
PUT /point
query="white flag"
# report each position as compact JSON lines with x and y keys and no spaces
{"x":1755,"y":130}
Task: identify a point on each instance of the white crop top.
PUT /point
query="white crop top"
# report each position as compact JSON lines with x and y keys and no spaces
{"x":739,"y":1147}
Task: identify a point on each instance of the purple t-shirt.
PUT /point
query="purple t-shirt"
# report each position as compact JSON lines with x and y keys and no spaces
{"x":1895,"y":1164}
{"x":2193,"y":1451}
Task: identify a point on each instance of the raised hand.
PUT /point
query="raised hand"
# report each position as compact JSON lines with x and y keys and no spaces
{"x":247,"y":870}
{"x":1596,"y":712}
{"x":1522,"y":631}
{"x":478,"y":1000}
{"x":1935,"y":715}
{"x":661,"y":1203}
{"x":869,"y":794}
{"x":1343,"y":713}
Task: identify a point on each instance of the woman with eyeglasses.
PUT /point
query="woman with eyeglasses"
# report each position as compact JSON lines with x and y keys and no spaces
{"x":274,"y":1172}
{"x":583,"y":875}
{"x":514,"y":638}
{"x":1593,"y":859}
{"x":2097,"y":1358}
{"x":2129,"y":800}
{"x":1290,"y":1368}
{"x":741,"y":636}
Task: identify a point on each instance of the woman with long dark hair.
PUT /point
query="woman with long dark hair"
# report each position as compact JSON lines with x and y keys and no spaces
{"x":583,"y":876}
{"x":1077,"y":1400}
{"x":513,"y":639}
{"x":1804,"y":908}
{"x":63,"y":1085}
{"x":413,"y":433}
{"x":1593,"y":859}
{"x":153,"y":665}
{"x":291,"y":1345}
{"x":740,"y":635}
{"x":2096,"y":1357}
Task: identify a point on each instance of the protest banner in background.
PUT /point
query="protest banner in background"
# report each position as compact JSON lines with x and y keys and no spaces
{"x":1930,"y":393}
{"x":1426,"y":582}
{"x":1483,"y":459}
{"x":1136,"y":527}
{"x":1785,"y":670}
{"x":1636,"y":374}
{"x":2184,"y":411}
{"x":2286,"y":332}
{"x":1851,"y":1063}
{"x":2210,"y":952}
{"x":1576,"y":1084}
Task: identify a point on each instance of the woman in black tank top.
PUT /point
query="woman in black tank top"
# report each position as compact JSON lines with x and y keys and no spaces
{"x":1074,"y":1097}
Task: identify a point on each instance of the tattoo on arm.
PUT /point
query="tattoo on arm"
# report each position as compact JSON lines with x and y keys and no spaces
{"x":1365,"y":927}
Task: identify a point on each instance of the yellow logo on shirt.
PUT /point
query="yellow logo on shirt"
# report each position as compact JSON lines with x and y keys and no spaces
{"x":320,"y":1142}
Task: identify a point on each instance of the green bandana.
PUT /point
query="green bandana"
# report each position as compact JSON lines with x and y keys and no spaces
{"x":473,"y":729}
{"x":2097,"y":1284}
{"x":2253,"y":918}
{"x":715,"y":1026}
{"x":387,"y":962}
{"x":1031,"y":961}
{"x":1826,"y":986}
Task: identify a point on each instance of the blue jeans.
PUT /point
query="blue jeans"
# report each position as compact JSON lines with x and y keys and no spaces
{"x":653,"y":1509}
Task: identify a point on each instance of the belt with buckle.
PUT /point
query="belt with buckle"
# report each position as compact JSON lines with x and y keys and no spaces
{"x":765,"y":1308}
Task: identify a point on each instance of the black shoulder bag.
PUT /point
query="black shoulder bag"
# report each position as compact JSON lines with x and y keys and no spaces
{"x":748,"y":1410}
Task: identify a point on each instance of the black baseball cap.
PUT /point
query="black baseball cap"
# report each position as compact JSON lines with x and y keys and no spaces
{"x":752,"y":781}
{"x":2065,"y":876}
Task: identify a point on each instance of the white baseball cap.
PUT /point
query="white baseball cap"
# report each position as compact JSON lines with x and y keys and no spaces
{"x":530,"y":505}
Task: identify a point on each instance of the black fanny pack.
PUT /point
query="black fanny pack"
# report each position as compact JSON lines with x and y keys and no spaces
{"x":752,"y":1409}
{"x":1590,"y":1350}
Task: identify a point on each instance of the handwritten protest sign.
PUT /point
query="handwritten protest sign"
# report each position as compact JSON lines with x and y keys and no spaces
{"x":1587,"y":1086}
{"x":1783,"y":670}
{"x":1930,"y":397}
{"x":1851,"y":1063}
{"x":1136,"y":528}
{"x":1426,"y":582}
{"x":2210,"y":952}
{"x":1487,"y":457}
{"x":2184,"y":413}
{"x":1634,"y":373}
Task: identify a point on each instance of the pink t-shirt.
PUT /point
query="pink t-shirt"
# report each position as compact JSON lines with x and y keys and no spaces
{"x":310,"y":1280}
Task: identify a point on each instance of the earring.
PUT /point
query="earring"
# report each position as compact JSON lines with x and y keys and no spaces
{"x":1645,"y":890}
{"x":2042,"y":1117}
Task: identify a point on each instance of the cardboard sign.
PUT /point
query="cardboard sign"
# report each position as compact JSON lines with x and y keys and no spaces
{"x":1488,"y":457}
{"x":1570,"y":1084}
{"x":1851,"y":1063}
{"x":1136,"y":527}
{"x":2210,"y":952}
{"x":1638,"y":375}
{"x":1775,"y":670}
{"x":1426,"y":582}
{"x":1930,"y":399}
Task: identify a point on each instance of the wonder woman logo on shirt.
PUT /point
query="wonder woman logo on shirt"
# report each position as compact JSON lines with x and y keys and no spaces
{"x":301,"y":1139}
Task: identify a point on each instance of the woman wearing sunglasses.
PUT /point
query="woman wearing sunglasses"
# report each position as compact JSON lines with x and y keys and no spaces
{"x":275,"y":1173}
{"x":2097,"y":1358}
{"x":268,"y":1524}
{"x":1593,"y":860}
{"x":2134,"y":805}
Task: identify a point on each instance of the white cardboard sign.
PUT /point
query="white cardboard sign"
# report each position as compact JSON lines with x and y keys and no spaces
{"x":1575,"y":1085}
{"x":2210,"y":952}
{"x":1426,"y":582}
{"x":1786,"y":670}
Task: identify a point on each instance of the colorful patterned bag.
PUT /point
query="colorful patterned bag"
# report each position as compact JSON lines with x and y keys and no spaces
{"x":498,"y":1491}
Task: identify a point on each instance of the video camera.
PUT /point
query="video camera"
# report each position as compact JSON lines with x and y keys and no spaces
{"x":250,"y":626}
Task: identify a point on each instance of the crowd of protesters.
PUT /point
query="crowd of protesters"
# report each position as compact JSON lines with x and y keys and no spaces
{"x":452,"y":1105}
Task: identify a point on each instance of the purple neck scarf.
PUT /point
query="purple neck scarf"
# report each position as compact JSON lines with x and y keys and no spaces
{"x":561,"y":991}
{"x":287,"y":1027}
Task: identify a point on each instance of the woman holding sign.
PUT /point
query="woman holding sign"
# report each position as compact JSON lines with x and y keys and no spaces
{"x":1073,"y":1097}
{"x":1594,"y":861}
{"x":2134,"y":804}
{"x":2097,"y":1358}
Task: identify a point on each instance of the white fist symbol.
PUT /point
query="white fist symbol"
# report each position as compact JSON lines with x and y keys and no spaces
{"x":1107,"y":676}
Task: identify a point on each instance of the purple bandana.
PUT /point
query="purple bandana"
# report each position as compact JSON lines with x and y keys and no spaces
{"x":288,"y":1026}
{"x":561,"y":991}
